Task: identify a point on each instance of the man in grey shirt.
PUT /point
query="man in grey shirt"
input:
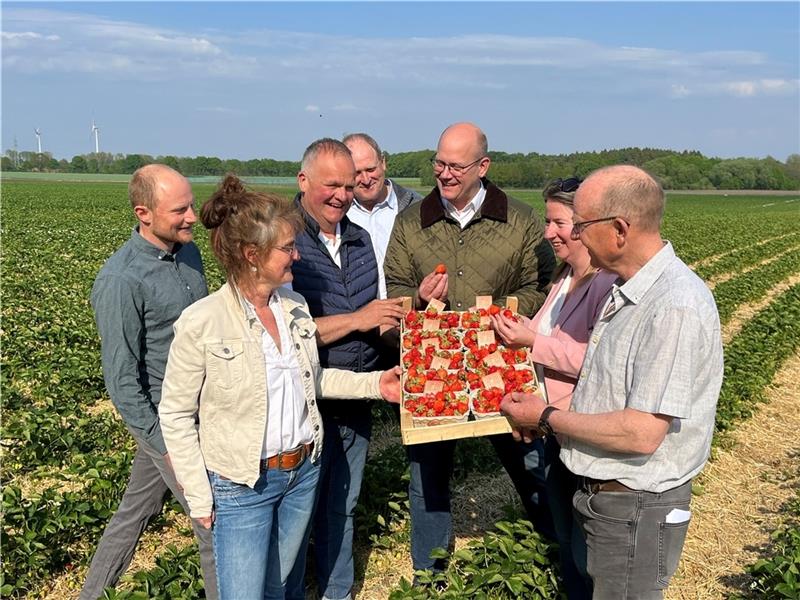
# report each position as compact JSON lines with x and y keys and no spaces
{"x":137,"y":296}
{"x":642,"y":415}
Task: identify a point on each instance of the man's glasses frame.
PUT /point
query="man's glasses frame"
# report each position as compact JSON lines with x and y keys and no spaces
{"x":577,"y":228}
{"x":457,"y":170}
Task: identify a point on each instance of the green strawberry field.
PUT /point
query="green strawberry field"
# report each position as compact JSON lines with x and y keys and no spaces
{"x":66,"y":454}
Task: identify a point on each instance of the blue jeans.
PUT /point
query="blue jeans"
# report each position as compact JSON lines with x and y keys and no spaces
{"x":259,"y":531}
{"x":633,"y":539}
{"x":561,"y":487}
{"x":344,"y":454}
{"x":429,"y":492}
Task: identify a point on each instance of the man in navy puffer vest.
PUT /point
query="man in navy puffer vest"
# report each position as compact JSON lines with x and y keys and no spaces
{"x":338,"y":275}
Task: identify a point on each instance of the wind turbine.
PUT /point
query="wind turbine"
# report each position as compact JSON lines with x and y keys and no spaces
{"x":96,"y":132}
{"x":38,"y":133}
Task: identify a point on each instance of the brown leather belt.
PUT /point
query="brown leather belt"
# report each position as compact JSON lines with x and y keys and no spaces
{"x":286,"y":461}
{"x":594,"y":486}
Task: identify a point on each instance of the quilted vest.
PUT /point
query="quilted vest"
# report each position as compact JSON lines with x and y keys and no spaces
{"x":330,"y":290}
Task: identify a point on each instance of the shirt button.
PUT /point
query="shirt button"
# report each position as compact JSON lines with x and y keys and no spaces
{"x":316,"y":427}
{"x":460,"y":242}
{"x":312,"y":403}
{"x":306,"y":374}
{"x":458,"y":304}
{"x":297,"y":346}
{"x":461,"y":273}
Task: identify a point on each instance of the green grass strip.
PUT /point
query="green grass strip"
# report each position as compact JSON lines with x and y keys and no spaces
{"x":754,"y":356}
{"x":751,"y":255}
{"x":753,"y":285}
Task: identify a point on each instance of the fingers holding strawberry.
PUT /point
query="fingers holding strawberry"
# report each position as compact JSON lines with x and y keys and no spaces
{"x":433,"y":285}
{"x":514,"y":332}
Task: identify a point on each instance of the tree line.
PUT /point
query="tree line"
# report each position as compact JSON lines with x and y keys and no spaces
{"x":676,"y":170}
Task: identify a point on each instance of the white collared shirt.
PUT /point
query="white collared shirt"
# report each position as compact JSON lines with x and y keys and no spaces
{"x":378,"y":222}
{"x":470,"y":210}
{"x":333,"y":246}
{"x":288,"y":422}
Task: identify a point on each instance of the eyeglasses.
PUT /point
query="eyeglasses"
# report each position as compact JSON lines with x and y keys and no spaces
{"x":290,"y":249}
{"x":577,"y":228}
{"x":456,"y":170}
{"x":567,"y":185}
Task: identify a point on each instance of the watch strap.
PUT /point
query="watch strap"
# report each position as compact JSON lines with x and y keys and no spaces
{"x":544,"y":420}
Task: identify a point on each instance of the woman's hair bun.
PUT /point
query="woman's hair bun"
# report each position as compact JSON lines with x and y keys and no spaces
{"x":223,"y":202}
{"x":231,"y":186}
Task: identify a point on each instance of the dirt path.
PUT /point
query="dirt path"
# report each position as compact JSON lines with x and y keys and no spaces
{"x":744,"y":488}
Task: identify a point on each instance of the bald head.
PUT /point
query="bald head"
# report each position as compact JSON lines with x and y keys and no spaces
{"x":467,"y":137}
{"x":625,"y":191}
{"x":151,"y":180}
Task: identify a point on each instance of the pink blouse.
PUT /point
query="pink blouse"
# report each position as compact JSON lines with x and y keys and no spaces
{"x":561,"y":353}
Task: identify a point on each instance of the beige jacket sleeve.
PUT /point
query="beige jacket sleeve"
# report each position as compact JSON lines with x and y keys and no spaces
{"x":345,"y":385}
{"x":179,"y":405}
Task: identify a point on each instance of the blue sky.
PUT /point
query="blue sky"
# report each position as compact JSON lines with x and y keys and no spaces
{"x":264,"y":79}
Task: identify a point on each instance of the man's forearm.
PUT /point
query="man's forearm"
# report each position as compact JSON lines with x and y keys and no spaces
{"x":334,"y":327}
{"x":627,"y":431}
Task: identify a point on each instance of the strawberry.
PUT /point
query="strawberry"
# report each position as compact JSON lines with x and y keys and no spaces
{"x":508,"y":314}
{"x":440,"y":269}
{"x":449,"y":319}
{"x":440,"y":404}
{"x":488,"y":401}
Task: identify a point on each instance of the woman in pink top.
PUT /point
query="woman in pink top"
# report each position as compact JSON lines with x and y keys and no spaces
{"x":558,"y":335}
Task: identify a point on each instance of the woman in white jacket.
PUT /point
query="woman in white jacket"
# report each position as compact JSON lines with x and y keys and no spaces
{"x":244,"y":365}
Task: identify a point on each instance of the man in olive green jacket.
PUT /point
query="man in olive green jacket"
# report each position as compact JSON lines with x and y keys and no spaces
{"x":492,"y":245}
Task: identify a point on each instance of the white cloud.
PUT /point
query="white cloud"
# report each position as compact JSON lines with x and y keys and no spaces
{"x":219,"y":110}
{"x":13,"y":40}
{"x":110,"y":48}
{"x":680,"y":91}
{"x":311,"y":108}
{"x":345,"y":107}
{"x":113,"y":49}
{"x":742,"y":89}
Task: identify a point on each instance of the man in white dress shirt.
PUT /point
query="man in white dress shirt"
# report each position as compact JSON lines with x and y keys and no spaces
{"x":377,"y":199}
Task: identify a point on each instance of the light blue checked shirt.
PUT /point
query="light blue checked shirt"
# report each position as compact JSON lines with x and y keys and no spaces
{"x":657,"y":349}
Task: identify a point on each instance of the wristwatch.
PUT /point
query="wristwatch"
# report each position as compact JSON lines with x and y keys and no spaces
{"x":544,"y":420}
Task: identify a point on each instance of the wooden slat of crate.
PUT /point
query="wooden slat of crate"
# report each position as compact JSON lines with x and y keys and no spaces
{"x":450,"y":431}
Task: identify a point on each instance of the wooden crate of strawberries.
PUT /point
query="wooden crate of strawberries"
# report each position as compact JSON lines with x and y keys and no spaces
{"x":456,"y":372}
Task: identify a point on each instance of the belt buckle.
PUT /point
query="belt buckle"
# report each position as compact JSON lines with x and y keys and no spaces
{"x":298,"y":456}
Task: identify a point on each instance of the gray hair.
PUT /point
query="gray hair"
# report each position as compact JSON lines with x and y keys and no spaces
{"x":367,"y":139}
{"x":632,"y":193}
{"x":322,"y":146}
